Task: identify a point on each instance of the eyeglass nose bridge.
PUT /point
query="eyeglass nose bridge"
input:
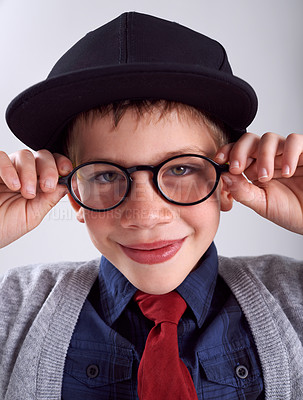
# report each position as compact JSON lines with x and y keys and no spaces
{"x":129,"y":171}
{"x":150,"y":168}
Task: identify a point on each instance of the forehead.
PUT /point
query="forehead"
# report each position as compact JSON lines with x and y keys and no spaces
{"x":139,"y":138}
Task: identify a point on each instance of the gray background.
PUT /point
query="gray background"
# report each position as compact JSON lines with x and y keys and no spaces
{"x":264,"y":41}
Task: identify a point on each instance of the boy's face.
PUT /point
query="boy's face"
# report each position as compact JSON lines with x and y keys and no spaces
{"x":154,"y":243}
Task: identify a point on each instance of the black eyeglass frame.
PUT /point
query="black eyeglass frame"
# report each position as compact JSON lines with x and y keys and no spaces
{"x":67,"y":180}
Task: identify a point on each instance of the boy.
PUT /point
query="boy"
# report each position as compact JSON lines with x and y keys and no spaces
{"x":149,"y":114}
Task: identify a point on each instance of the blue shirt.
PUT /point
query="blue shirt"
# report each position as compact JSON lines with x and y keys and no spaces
{"x":215,"y":341}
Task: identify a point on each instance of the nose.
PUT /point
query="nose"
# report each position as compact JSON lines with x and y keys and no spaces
{"x":144,"y":208}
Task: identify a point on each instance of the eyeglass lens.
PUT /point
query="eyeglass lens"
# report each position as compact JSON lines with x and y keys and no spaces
{"x":183,"y":180}
{"x":187,"y":180}
{"x":99,"y":186}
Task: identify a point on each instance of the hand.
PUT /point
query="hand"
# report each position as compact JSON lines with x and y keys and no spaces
{"x":273,"y":166}
{"x":28,"y":190}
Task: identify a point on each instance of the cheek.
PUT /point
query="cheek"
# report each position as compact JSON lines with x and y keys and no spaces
{"x":203,"y":218}
{"x":99,"y":227}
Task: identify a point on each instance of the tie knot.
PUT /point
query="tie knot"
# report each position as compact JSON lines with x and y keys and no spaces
{"x":159,"y":308}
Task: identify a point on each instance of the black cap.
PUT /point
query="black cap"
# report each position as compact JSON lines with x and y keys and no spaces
{"x":135,"y":56}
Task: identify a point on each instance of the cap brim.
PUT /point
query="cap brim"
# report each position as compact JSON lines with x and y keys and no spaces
{"x":38,"y":115}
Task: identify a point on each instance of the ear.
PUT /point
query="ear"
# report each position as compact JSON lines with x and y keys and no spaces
{"x":226,"y":199}
{"x":77,"y":208}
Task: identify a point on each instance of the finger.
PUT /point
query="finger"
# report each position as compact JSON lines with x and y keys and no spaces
{"x":252,"y":175}
{"x":246,"y":192}
{"x":242,"y":153}
{"x":279,"y":162}
{"x":26,"y":168}
{"x":64,"y":164}
{"x":8,"y":173}
{"x":222,"y":154}
{"x":46,"y":170}
{"x":297,"y":174}
{"x":270,"y":145}
{"x":292,"y":154}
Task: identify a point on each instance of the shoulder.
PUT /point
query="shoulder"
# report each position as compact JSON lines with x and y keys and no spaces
{"x":26,"y":292}
{"x":46,"y":274}
{"x":37,"y":304}
{"x":269,"y":290}
{"x":269,"y":282}
{"x":32,"y":284}
{"x":273,"y":270}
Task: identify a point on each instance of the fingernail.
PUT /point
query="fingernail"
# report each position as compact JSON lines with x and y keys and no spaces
{"x":31,"y":189}
{"x":220,"y":156}
{"x":66,"y":168}
{"x":16,"y":183}
{"x":49,"y":183}
{"x":263,"y":174}
{"x":234,"y":164}
{"x":286,"y":170}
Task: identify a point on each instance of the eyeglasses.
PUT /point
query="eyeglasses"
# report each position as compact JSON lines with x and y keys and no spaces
{"x":186,"y":180}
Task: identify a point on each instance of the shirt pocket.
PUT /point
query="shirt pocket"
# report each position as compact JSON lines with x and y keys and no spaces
{"x":235,"y":367}
{"x":99,"y":368}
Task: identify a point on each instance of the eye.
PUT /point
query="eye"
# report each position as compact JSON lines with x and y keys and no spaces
{"x":182,"y":170}
{"x":107,"y":177}
{"x":179,"y":170}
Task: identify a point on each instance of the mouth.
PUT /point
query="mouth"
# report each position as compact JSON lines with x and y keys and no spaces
{"x":153,"y":253}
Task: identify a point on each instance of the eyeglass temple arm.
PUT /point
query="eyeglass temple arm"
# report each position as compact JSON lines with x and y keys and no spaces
{"x":63,"y":180}
{"x":223,"y":167}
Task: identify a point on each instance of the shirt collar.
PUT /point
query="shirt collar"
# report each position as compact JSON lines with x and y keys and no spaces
{"x":198,"y":287}
{"x":115,"y":291}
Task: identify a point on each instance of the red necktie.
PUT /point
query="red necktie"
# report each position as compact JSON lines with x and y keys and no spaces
{"x":162,"y":375}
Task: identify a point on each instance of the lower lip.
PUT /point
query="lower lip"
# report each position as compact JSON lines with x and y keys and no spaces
{"x":154,"y":256}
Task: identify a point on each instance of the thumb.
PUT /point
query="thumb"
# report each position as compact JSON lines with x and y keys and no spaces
{"x":43,"y":203}
{"x":51,"y":199}
{"x":246,"y":193}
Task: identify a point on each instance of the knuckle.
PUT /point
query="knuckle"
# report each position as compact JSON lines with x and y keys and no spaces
{"x":226,"y":148}
{"x":43,"y":153}
{"x":25,"y":154}
{"x":60,"y":157}
{"x":294,"y":137}
{"x":268,"y":136}
{"x":250,"y":135}
{"x":3,"y":155}
{"x":46,"y":164}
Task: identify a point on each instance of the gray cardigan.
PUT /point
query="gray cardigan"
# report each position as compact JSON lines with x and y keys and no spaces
{"x":39,"y":307}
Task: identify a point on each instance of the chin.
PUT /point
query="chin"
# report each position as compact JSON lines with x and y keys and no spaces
{"x":155,"y":280}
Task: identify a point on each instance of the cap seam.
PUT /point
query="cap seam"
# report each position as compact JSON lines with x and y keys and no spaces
{"x":126,"y":30}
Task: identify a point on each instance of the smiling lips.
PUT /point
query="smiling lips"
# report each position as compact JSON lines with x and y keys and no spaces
{"x":153,"y":253}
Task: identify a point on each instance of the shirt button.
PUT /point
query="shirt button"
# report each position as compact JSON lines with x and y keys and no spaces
{"x":92,"y":371}
{"x":241,"y":372}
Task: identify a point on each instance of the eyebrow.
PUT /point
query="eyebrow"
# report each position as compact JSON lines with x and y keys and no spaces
{"x":187,"y":150}
{"x":183,"y":150}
